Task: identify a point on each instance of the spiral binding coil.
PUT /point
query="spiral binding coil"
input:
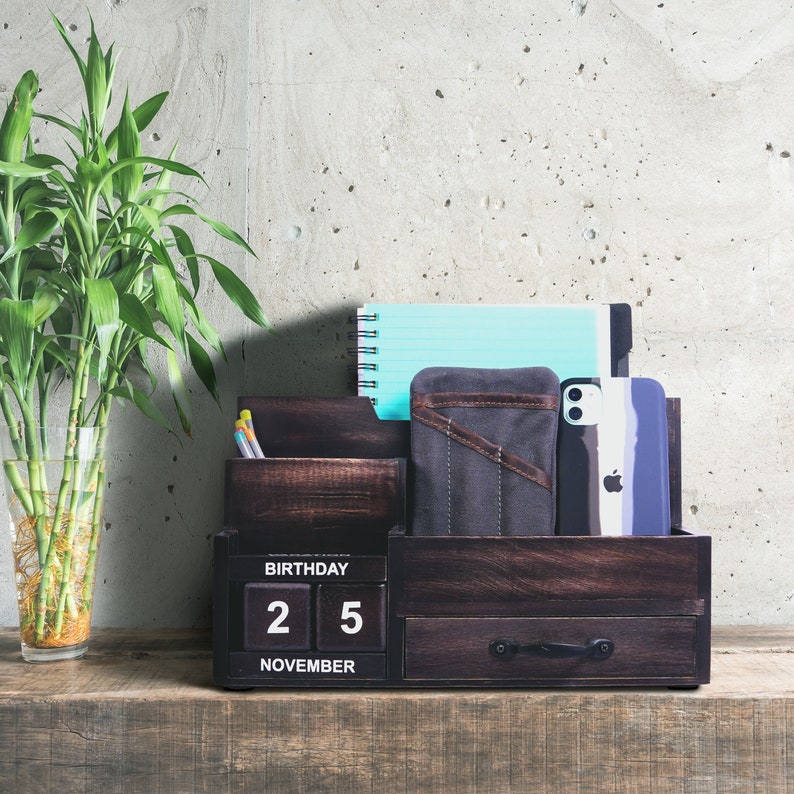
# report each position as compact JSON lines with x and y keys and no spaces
{"x":358,"y":382}
{"x":367,"y":350}
{"x":362,"y":333}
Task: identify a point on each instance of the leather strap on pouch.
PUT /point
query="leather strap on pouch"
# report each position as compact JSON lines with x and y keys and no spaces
{"x":425,"y":407}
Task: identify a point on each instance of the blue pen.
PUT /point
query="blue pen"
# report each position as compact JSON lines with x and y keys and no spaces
{"x":243,"y":445}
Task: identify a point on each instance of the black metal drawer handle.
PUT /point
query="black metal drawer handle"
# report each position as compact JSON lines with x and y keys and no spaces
{"x":594,"y":649}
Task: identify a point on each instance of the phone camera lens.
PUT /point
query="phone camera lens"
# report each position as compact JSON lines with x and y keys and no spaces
{"x":575,"y":413}
{"x":574,"y":394}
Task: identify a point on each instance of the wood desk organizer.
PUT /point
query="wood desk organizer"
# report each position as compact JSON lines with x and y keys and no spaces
{"x":318,"y":585}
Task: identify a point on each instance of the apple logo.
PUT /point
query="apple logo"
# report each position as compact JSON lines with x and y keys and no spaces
{"x":612,"y":482}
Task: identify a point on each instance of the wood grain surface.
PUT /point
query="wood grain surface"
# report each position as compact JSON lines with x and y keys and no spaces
{"x":139,"y":714}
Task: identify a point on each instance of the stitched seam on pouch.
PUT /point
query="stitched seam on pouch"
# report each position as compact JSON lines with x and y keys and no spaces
{"x":449,"y":480}
{"x":551,"y":405}
{"x":499,"y":486}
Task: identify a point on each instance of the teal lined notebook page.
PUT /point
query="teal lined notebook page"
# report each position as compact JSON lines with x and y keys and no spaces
{"x":395,"y":341}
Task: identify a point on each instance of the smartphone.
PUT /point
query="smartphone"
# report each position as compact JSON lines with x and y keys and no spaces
{"x":612,"y":459}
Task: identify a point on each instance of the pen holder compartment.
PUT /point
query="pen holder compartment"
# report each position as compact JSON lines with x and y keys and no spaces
{"x":315,"y":505}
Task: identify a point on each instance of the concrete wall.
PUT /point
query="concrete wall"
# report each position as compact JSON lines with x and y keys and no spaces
{"x":468,"y":152}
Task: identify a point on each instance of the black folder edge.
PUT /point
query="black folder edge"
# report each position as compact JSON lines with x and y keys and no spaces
{"x":620,"y":337}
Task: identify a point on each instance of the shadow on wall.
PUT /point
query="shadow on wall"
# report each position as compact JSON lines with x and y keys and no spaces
{"x":159,"y":553}
{"x":308,"y":358}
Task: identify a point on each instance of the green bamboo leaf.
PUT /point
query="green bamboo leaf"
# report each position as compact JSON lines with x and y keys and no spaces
{"x":89,"y":172}
{"x":45,"y":302}
{"x":31,"y":233}
{"x":5,"y":236}
{"x":38,"y":260}
{"x":62,"y":321}
{"x":110,"y":69}
{"x":60,"y":28}
{"x":228,"y":233}
{"x":16,"y":332}
{"x":156,"y":195}
{"x":21,"y":170}
{"x":103,"y":305}
{"x":129,"y":145}
{"x":143,"y":403}
{"x":62,"y":214}
{"x":202,"y":365}
{"x":168,"y":165}
{"x":86,"y":135}
{"x":185,"y":247}
{"x":16,"y":121}
{"x":103,"y":161}
{"x":167,"y":301}
{"x":38,"y":192}
{"x":217,"y":226}
{"x":96,"y":83}
{"x":142,"y":357}
{"x":133,"y":313}
{"x":162,"y":189}
{"x":146,"y":111}
{"x":179,"y":392}
{"x":125,"y":276}
{"x":51,"y":354}
{"x":205,"y":329}
{"x":238,"y":293}
{"x":144,"y":115}
{"x":151,"y":217}
{"x":42,"y":160}
{"x":75,"y":130}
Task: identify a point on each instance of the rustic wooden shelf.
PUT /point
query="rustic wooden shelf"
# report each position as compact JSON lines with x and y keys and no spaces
{"x":139,"y":713}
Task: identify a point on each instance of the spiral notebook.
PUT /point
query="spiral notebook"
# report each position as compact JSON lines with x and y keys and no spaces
{"x":395,"y":341}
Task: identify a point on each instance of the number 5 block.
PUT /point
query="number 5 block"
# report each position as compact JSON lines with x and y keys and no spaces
{"x":351,"y":617}
{"x":276,"y":616}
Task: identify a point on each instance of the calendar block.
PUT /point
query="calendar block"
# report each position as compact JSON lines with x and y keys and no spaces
{"x":277,"y":616}
{"x":351,"y":617}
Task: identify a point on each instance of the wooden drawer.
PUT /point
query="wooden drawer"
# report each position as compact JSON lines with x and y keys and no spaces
{"x":645,"y":649}
{"x":566,"y":576}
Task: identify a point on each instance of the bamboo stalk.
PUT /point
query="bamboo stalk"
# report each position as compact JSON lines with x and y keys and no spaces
{"x":99,"y":496}
{"x":46,"y":593}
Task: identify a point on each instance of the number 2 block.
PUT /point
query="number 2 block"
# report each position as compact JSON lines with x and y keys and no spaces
{"x":351,"y":617}
{"x":276,"y":616}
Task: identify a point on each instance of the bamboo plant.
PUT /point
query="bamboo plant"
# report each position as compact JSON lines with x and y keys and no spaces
{"x":97,"y":269}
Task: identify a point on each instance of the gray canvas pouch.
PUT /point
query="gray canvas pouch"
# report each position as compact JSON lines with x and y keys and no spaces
{"x":483,"y":451}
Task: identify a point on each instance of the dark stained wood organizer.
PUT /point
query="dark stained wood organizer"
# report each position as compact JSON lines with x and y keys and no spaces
{"x":317,"y":583}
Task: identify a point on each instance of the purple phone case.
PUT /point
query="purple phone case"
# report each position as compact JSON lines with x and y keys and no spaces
{"x":615,"y":485}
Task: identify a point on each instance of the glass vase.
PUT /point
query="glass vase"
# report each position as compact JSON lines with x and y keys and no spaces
{"x":54,"y":484}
